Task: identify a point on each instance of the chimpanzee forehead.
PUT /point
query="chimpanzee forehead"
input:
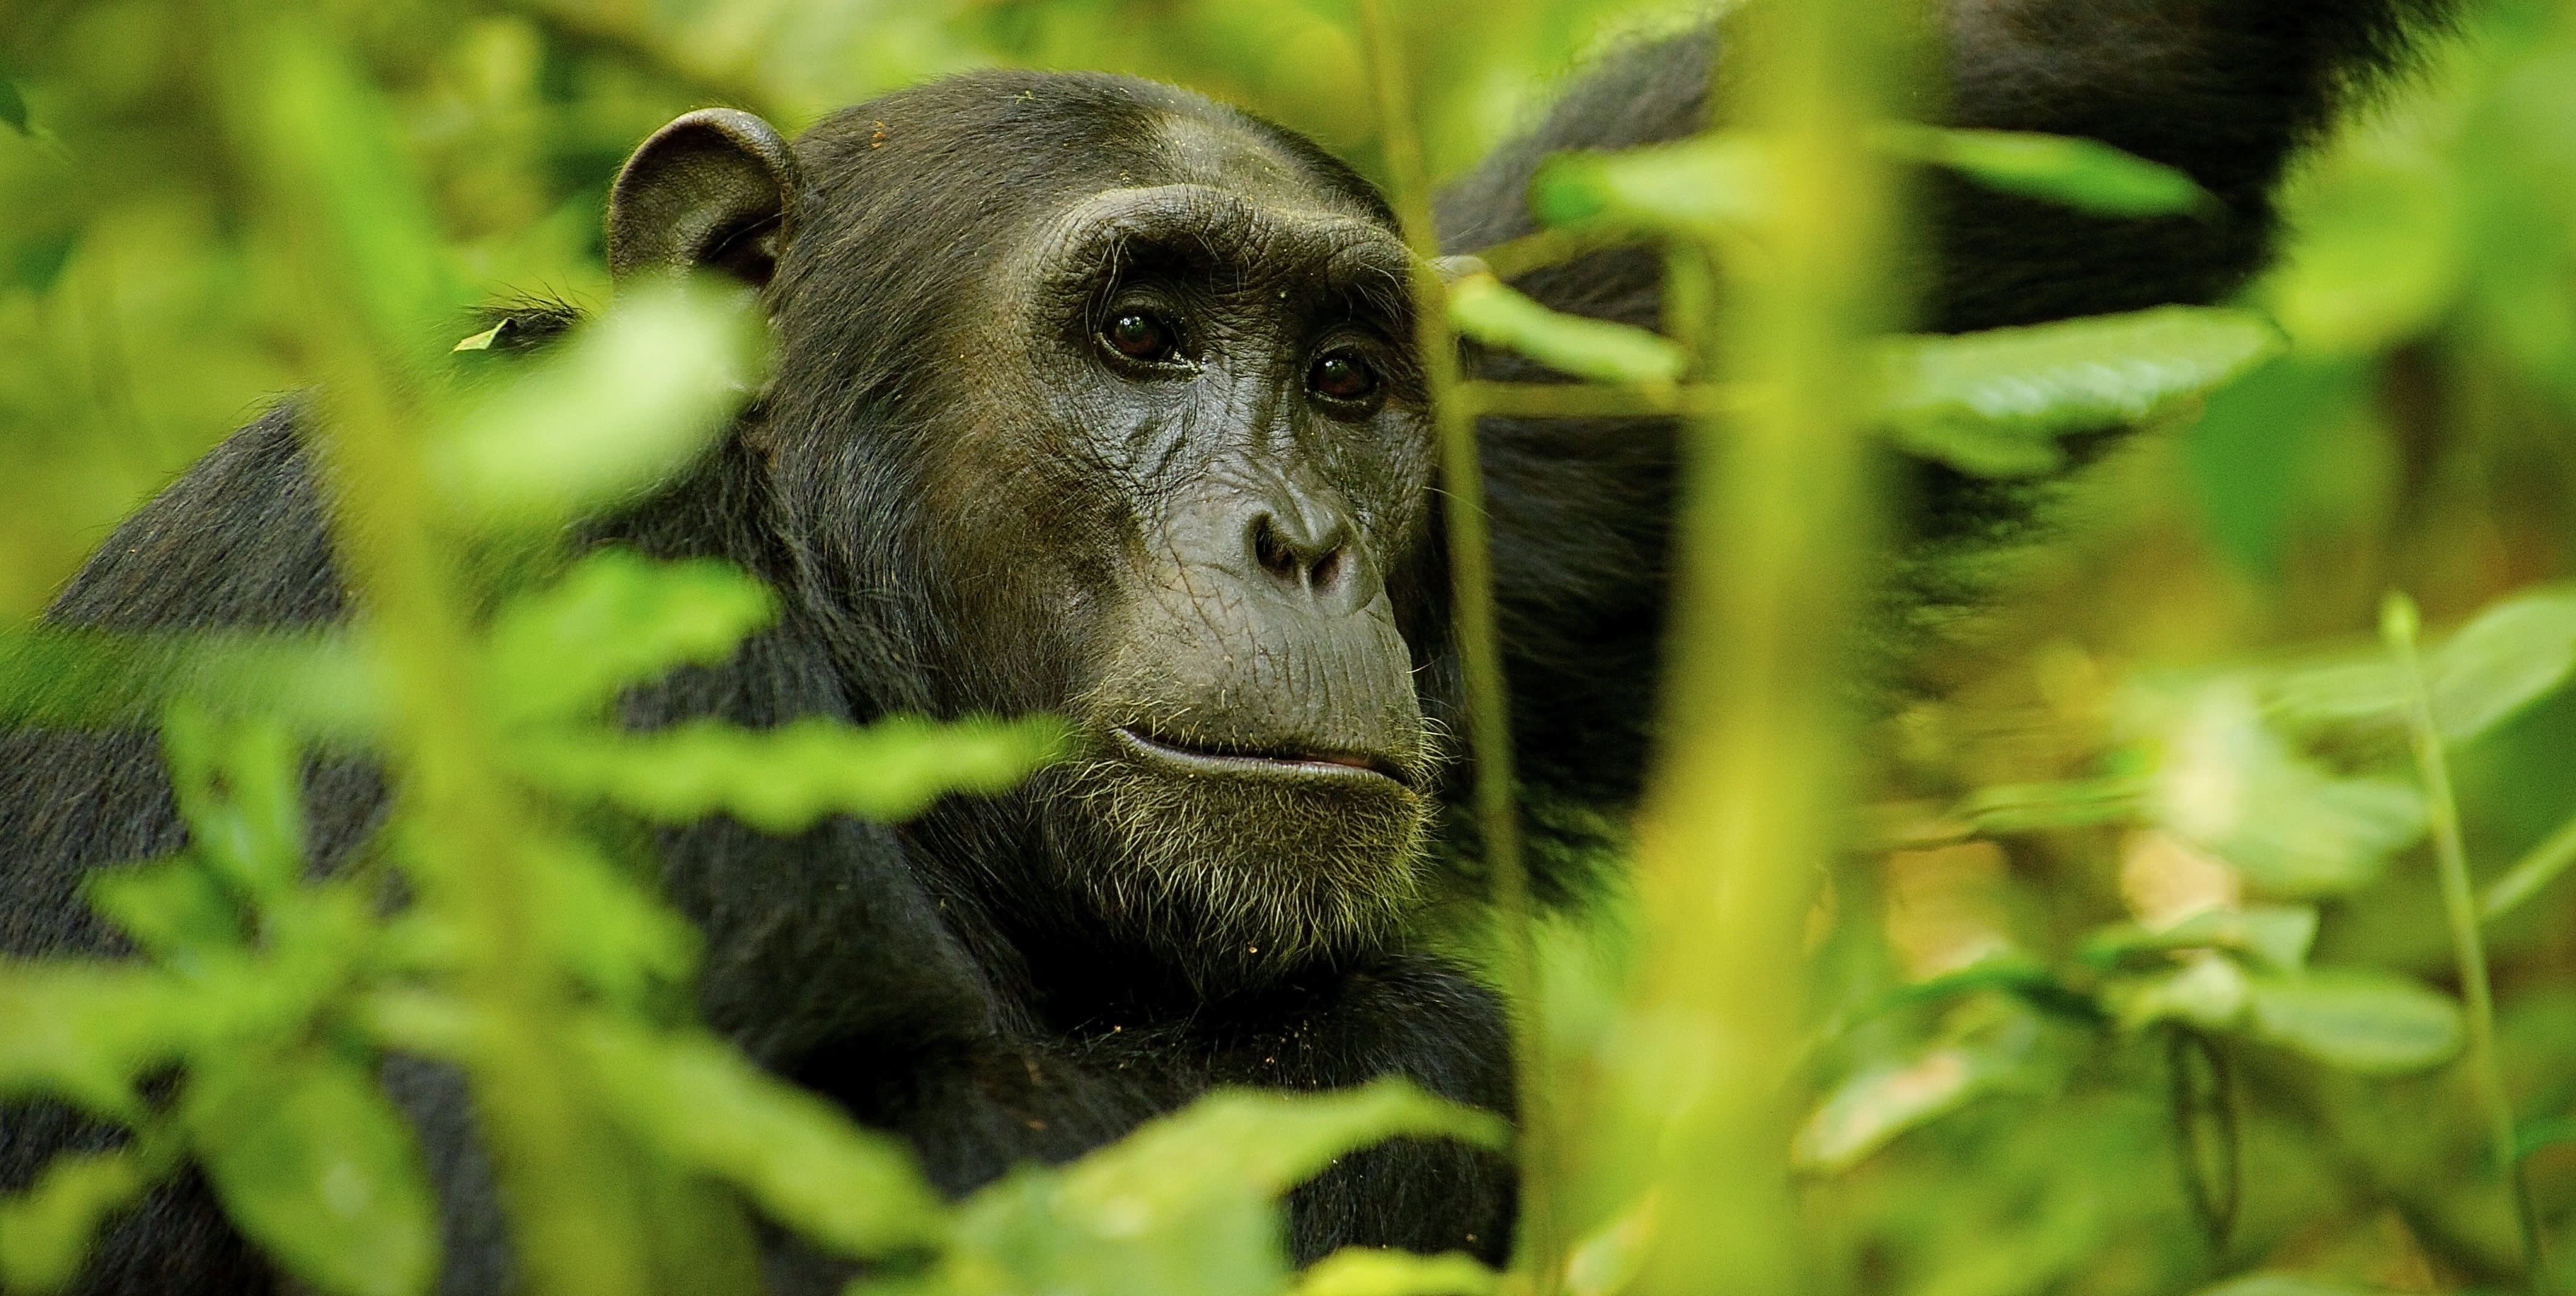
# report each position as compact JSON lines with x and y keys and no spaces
{"x":1250,"y":231}
{"x":1224,"y":155}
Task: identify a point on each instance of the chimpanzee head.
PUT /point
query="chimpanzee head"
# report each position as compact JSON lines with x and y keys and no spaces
{"x":1095,"y":397}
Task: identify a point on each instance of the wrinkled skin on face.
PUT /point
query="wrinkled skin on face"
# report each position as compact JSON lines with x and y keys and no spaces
{"x":1207,"y":403}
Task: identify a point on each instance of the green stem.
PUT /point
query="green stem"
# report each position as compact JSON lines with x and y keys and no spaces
{"x":1541,"y":1246}
{"x":1747,"y":804}
{"x":2398,"y":624}
{"x":561,"y":1173}
{"x":2533,"y":871}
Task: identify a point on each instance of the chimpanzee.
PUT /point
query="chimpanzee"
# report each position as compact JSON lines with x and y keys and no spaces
{"x":1095,"y":397}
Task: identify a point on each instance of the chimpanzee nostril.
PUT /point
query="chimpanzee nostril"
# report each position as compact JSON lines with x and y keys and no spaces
{"x":1298,"y":553}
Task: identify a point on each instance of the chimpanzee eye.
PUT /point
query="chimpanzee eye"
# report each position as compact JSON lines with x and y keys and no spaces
{"x":1139,"y":336}
{"x":1342,"y":377}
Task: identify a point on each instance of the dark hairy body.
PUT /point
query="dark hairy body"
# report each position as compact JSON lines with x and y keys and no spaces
{"x":1094,"y":397}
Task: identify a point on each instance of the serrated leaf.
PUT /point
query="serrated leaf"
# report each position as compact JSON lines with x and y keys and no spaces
{"x":81,"y":1031}
{"x":617,"y":410}
{"x":1375,"y":1271}
{"x":692,"y":1099}
{"x":45,"y":1232}
{"x":1690,"y":186}
{"x":172,"y":908}
{"x":785,"y":779}
{"x":318,"y":1167}
{"x":2087,"y":175}
{"x":1484,"y":309}
{"x":2373,"y":1022}
{"x":1993,"y":403}
{"x":617,"y":619}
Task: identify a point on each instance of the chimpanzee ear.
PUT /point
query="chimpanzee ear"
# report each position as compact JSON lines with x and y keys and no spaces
{"x":715,"y":189}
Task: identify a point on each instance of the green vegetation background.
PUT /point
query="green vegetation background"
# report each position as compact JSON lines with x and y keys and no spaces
{"x":2419,"y":435}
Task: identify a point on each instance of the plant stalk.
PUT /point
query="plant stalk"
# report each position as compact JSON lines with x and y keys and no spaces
{"x":1540,"y":1248}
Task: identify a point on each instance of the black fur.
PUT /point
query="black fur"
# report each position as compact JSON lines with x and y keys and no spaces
{"x":918,"y":974}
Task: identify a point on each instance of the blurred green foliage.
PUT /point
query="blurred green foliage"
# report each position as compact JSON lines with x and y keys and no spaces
{"x":2140,"y":982}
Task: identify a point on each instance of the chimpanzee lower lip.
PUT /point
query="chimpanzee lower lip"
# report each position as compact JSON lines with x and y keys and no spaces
{"x":1338,"y":764}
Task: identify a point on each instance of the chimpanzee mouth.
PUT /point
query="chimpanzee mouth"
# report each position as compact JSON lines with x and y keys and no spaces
{"x":1292,"y":763}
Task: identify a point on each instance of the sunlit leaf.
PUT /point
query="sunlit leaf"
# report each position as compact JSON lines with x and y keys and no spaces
{"x":1186,"y":1205}
{"x":2281,"y":1284}
{"x":327,"y":138}
{"x":1865,"y":1111}
{"x":617,"y":410}
{"x":1493,"y":314}
{"x":2208,"y":991}
{"x":240,"y":788}
{"x":2377,"y":252}
{"x":1374,"y":1271}
{"x":1993,"y":403}
{"x":1691,"y":186}
{"x":87,"y":679}
{"x":604,"y":928}
{"x":1612,"y":1257}
{"x":2276,"y":935}
{"x":46,"y":1231}
{"x":2360,"y":1020}
{"x":2509,"y":656}
{"x":785,"y":779}
{"x":81,"y":1030}
{"x":2226,"y":783}
{"x":172,"y":908}
{"x":700,"y":1103}
{"x":2087,"y":175}
{"x":317,"y":1166}
{"x":614,"y":620}
{"x":2033,"y":807}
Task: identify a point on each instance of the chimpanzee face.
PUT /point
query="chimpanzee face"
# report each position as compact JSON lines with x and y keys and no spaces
{"x":1115,"y":391}
{"x":1212,"y":383}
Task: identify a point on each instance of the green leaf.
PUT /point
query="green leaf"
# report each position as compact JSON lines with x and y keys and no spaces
{"x":619,"y":409}
{"x":13,"y":105}
{"x":45,"y":1232}
{"x":2209,"y":992}
{"x":240,"y":787}
{"x":1993,"y":403}
{"x":2282,"y":1284}
{"x":172,"y":908}
{"x":1487,"y":311}
{"x":2276,"y":935}
{"x":81,"y":1031}
{"x":318,"y":1167}
{"x":2511,"y":655}
{"x":2225,"y":782}
{"x":1883,"y":1101}
{"x":1690,"y":187}
{"x":2532,"y":1135}
{"x":2373,"y":1022}
{"x":2087,"y":175}
{"x":2033,"y":807}
{"x":696,"y":1101}
{"x":1187,"y":1205}
{"x":604,"y":928}
{"x":617,"y":619}
{"x":784,"y":779}
{"x":87,"y":679}
{"x":1374,"y":1271}
{"x":327,"y":137}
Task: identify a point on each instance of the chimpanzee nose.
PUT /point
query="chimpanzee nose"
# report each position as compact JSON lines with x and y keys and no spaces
{"x":1309,"y":548}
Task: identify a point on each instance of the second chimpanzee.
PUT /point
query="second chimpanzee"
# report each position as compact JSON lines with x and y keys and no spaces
{"x":1098,"y":398}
